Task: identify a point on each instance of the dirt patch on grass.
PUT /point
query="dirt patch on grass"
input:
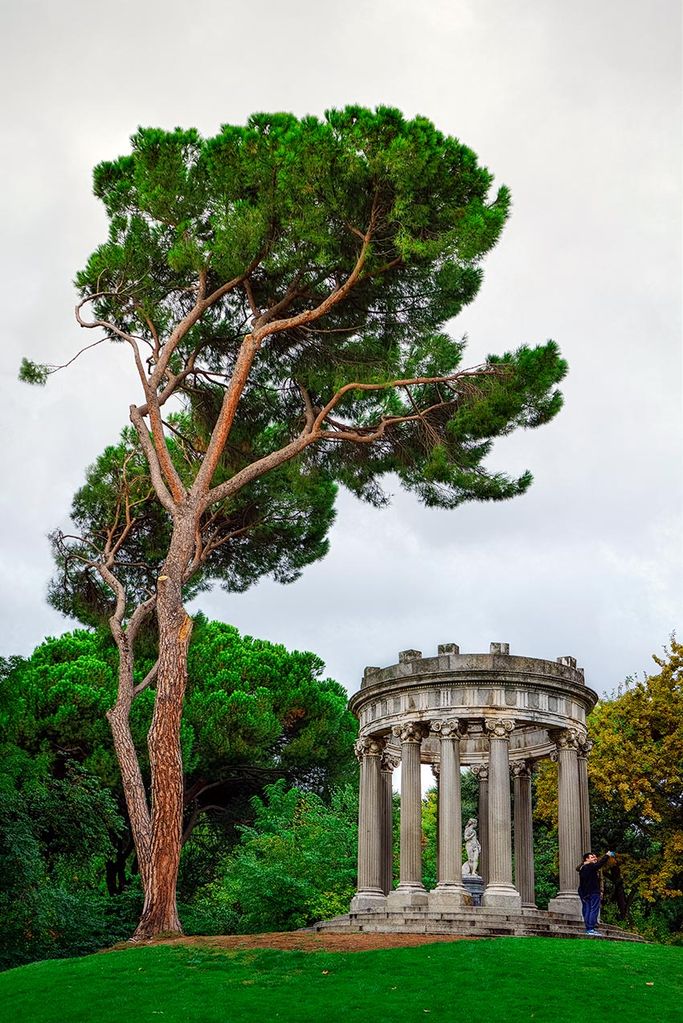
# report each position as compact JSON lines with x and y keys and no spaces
{"x":307,"y":941}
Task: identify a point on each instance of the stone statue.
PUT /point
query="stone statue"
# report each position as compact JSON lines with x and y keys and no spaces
{"x":472,"y":847}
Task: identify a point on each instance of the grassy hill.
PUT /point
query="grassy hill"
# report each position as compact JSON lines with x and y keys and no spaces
{"x":508,"y":980}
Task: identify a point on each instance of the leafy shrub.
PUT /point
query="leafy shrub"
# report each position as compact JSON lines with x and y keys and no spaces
{"x":297,"y":864}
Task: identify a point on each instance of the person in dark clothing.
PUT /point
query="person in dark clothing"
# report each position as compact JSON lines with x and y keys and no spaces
{"x":589,"y":889}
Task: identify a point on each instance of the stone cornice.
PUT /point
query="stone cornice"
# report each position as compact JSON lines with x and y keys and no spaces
{"x":425,"y":681}
{"x":472,"y":665}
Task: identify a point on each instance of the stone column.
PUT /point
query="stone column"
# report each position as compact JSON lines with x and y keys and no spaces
{"x":436,"y":772}
{"x":370,"y":895}
{"x":411,"y":891}
{"x":583,"y":752}
{"x":500,"y":892}
{"x":449,"y":893}
{"x":388,"y":764}
{"x":524,"y":835}
{"x":569,"y":822}
{"x":481,"y":771}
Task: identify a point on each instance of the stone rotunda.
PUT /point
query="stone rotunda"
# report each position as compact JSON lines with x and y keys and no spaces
{"x":498,"y":715}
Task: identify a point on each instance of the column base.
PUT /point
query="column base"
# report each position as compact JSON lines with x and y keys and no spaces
{"x":502,"y":896}
{"x":407,"y":897}
{"x":446,"y":897}
{"x":369,"y":900}
{"x":567,"y":903}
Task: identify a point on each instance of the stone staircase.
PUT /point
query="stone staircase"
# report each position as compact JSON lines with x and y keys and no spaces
{"x":473,"y":922}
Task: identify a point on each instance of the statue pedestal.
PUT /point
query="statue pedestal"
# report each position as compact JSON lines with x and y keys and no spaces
{"x":448,"y":897}
{"x":474,"y":886}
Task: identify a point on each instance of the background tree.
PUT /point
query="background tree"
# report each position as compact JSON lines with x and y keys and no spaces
{"x":636,"y":783}
{"x":294,"y":865}
{"x":55,"y":828}
{"x":288,"y":282}
{"x":255,"y":713}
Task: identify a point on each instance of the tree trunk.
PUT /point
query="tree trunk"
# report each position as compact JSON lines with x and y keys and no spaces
{"x":126,"y":754}
{"x":618,"y":892}
{"x":115,"y":868}
{"x":160,"y":914}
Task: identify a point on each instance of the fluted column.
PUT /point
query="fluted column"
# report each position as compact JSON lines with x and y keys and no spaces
{"x":524,"y":835}
{"x":583,"y":752}
{"x":436,"y":772}
{"x":568,"y":820}
{"x":370,"y":895}
{"x":500,"y":892}
{"x":388,"y":764}
{"x":481,"y":772}
{"x":410,"y":891}
{"x":449,"y":892}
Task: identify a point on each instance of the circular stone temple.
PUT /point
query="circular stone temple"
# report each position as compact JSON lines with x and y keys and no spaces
{"x":497,"y":715}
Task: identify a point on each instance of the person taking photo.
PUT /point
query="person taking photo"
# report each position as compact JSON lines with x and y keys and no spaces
{"x":589,"y":889}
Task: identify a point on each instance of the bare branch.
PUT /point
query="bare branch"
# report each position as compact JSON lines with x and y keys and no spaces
{"x":114,"y":584}
{"x":171,"y":476}
{"x":107,"y":325}
{"x":148,"y":679}
{"x":335,"y":296}
{"x":256,"y":312}
{"x":151,"y":455}
{"x":86,"y":348}
{"x":482,"y":370}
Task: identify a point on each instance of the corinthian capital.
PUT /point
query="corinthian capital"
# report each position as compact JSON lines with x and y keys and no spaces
{"x":585,"y":747}
{"x":449,"y":728}
{"x":480,"y":771}
{"x":411,"y":731}
{"x":499,"y":728}
{"x":567,"y":739}
{"x":369,"y":746}
{"x":521,"y":769}
{"x":389,"y":762}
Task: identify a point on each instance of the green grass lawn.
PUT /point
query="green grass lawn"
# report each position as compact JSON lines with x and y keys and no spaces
{"x":506,"y":980}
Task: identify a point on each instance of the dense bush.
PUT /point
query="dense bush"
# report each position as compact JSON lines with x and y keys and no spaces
{"x":295,"y":865}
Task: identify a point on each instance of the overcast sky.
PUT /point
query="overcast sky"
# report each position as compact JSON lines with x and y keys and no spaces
{"x":577,"y":108}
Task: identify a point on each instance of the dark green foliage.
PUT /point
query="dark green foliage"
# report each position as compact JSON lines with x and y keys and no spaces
{"x":546,"y":869}
{"x":56,"y":825}
{"x":33,"y":372}
{"x":296,"y":864}
{"x":253,"y":702}
{"x":254,"y":713}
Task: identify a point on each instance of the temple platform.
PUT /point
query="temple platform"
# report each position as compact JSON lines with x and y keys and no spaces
{"x":472,"y":922}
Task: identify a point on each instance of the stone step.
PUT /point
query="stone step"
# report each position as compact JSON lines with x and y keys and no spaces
{"x":475,"y":922}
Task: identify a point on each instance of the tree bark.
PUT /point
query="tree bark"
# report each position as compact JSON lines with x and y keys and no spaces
{"x":131,"y":775}
{"x":160,"y":913}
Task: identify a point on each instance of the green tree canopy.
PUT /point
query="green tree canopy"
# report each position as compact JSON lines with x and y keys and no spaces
{"x":255,"y":713}
{"x":636,"y":784}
